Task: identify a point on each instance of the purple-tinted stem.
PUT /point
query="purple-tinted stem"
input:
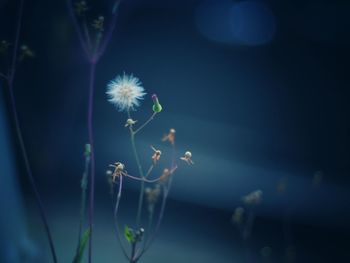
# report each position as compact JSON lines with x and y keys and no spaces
{"x":93,"y":57}
{"x":92,"y":160}
{"x":109,"y":34}
{"x":78,"y":29}
{"x":10,"y":80}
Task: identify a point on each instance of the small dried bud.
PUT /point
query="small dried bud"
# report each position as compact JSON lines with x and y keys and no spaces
{"x":156,"y":155}
{"x":170,"y":136}
{"x":187,"y":157}
{"x":81,"y":8}
{"x":120,"y":166}
{"x":188,"y":154}
{"x":98,"y":23}
{"x":129,"y":122}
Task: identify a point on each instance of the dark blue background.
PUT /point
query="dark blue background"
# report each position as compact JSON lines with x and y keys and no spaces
{"x":264,"y":103}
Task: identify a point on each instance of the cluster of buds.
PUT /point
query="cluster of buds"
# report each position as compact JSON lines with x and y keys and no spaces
{"x":81,"y":8}
{"x":253,"y":198}
{"x":134,"y":236}
{"x":98,"y":23}
{"x":238,"y":216}
{"x":170,"y":137}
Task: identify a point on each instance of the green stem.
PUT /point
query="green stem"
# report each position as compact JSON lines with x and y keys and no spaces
{"x":150,"y":221}
{"x":138,"y":163}
{"x":142,"y":189}
{"x":143,"y":125}
{"x":149,"y":170}
{"x":84,"y":182}
{"x":133,"y":248}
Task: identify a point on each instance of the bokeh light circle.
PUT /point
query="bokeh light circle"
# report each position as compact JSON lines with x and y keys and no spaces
{"x":252,"y":23}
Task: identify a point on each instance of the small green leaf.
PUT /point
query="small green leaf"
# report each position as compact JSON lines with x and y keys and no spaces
{"x":83,"y":241}
{"x":128,"y":235}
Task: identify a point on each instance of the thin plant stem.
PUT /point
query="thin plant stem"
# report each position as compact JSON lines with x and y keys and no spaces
{"x":78,"y":29}
{"x":150,"y":221}
{"x":142,"y":188}
{"x":149,"y":171}
{"x":109,"y":34}
{"x":142,"y":179}
{"x":146,"y":122}
{"x":93,"y":57}
{"x":10,"y":80}
{"x":133,"y":250}
{"x":84,"y":183}
{"x":116,"y":209}
{"x":160,"y":217}
{"x":138,"y":163}
{"x":92,"y":161}
{"x":87,"y":35}
{"x":166,"y":190}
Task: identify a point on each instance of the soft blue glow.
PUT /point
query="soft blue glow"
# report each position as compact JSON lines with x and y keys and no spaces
{"x":213,"y":21}
{"x":245,"y":23}
{"x":252,"y":23}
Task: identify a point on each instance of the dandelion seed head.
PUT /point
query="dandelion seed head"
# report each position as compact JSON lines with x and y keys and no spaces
{"x":125,"y":92}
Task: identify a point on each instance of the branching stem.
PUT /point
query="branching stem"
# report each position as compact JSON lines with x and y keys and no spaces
{"x":146,"y":122}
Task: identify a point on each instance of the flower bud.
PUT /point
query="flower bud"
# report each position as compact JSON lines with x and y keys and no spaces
{"x":156,"y":105}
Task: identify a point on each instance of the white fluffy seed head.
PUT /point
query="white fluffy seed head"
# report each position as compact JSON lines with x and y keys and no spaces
{"x":125,"y":92}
